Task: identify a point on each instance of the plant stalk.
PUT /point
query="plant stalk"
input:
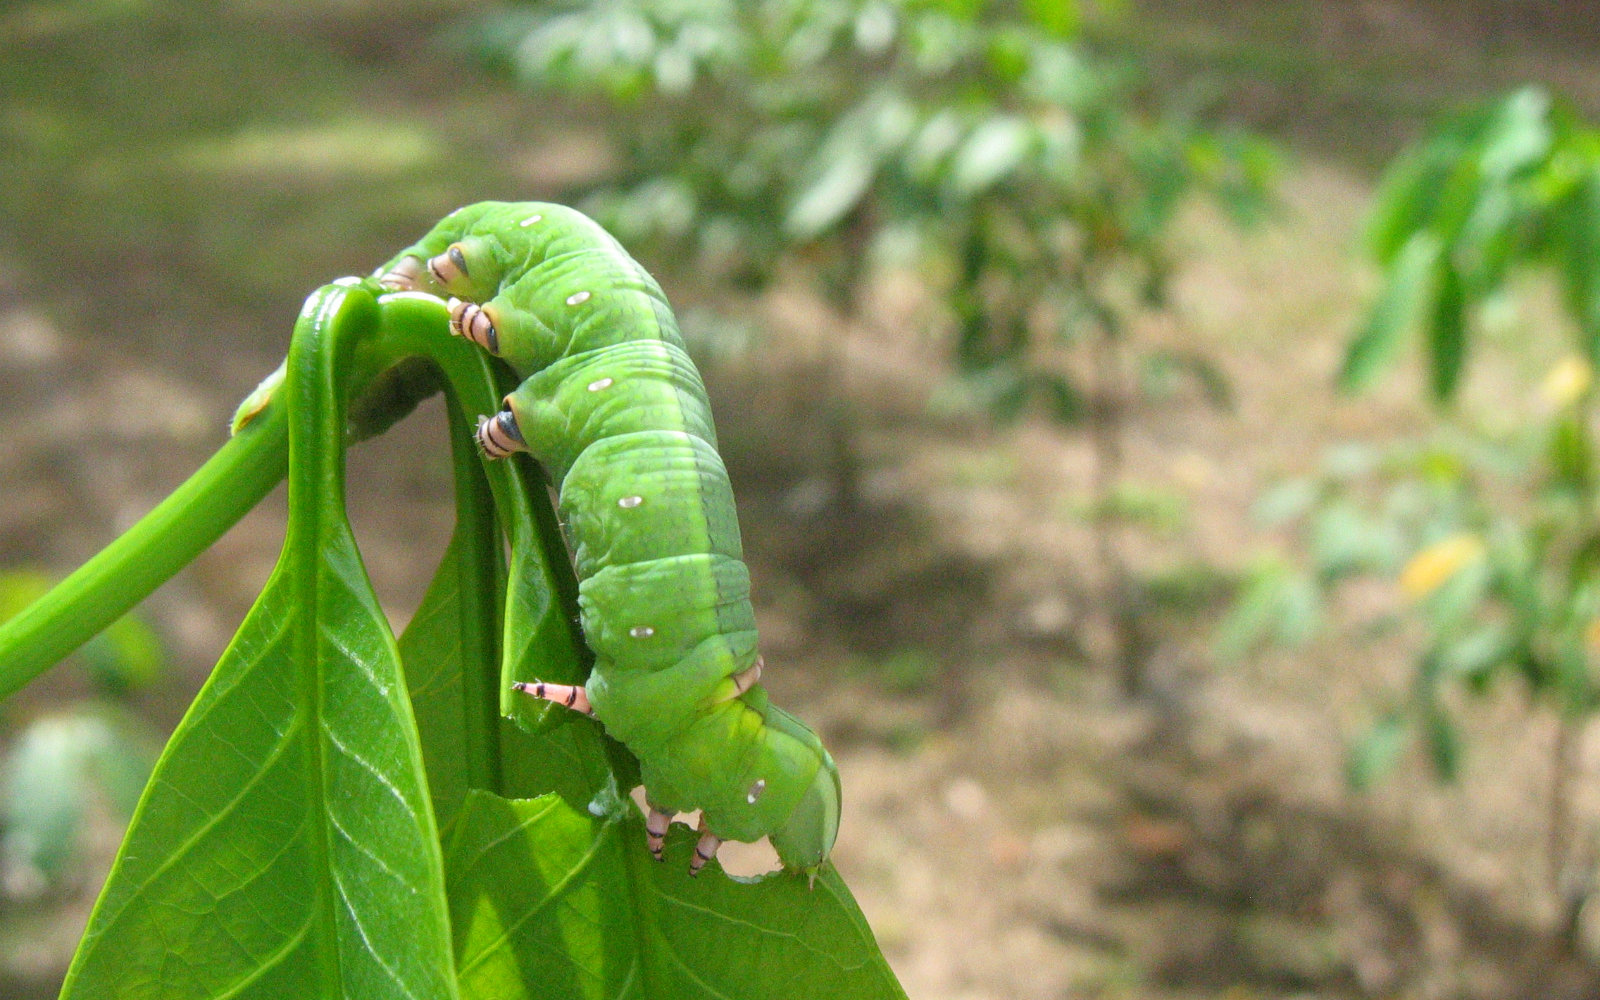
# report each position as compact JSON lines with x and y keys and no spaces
{"x":125,"y":572}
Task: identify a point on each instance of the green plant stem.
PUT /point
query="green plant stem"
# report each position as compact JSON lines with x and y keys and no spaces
{"x":183,"y":525}
{"x":479,"y":571}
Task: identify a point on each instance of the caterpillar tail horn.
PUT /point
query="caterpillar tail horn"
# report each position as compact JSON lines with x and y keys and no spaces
{"x":805,"y":839}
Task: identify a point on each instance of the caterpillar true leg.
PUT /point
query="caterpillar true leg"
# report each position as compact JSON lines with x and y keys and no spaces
{"x":571,"y":695}
{"x":405,"y":276}
{"x":745,"y":679}
{"x":705,"y":849}
{"x":474,"y":322}
{"x":655,"y":828}
{"x":499,"y":435}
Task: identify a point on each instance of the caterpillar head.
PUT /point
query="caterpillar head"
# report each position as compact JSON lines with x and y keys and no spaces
{"x":469,"y":269}
{"x":804,"y":839}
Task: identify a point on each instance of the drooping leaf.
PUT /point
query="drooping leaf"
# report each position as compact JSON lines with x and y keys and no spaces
{"x":836,"y":191}
{"x":285,"y":846}
{"x":1374,"y":755}
{"x":431,"y":651}
{"x":1408,"y":291}
{"x":991,"y":153}
{"x":1444,"y":742}
{"x":1582,"y":262}
{"x":483,"y":733}
{"x":508,"y":937}
{"x":1447,"y":335}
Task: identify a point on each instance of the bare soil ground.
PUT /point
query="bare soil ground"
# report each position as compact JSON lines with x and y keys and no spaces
{"x":1015,"y":829}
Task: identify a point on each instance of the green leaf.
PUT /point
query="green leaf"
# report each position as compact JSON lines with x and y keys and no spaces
{"x":994,"y":150}
{"x":1582,"y":262}
{"x":999,"y":388}
{"x":832,"y":195}
{"x":855,"y":148}
{"x":1407,"y":294}
{"x":1287,"y":501}
{"x":1475,"y":656}
{"x":1062,"y":400}
{"x":1444,"y":742}
{"x":1406,"y":198}
{"x":509,"y":741}
{"x":285,"y":845}
{"x":1056,"y":18}
{"x":1276,"y":603}
{"x":551,"y":902}
{"x":1569,"y":452}
{"x":1345,"y":541}
{"x":1447,"y":335}
{"x":1375,"y":754}
{"x":59,"y":764}
{"x":1518,"y":134}
{"x":1163,"y":366}
{"x":431,"y":650}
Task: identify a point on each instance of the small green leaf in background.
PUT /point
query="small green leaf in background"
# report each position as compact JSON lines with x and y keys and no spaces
{"x":1408,"y":291}
{"x":61,"y":768}
{"x":1058,"y":18}
{"x":832,"y":195}
{"x":1447,"y":335}
{"x":1374,"y":755}
{"x":1582,"y":261}
{"x":1275,"y":602}
{"x":995,"y":149}
{"x":1161,"y":369}
{"x":1444,"y":742}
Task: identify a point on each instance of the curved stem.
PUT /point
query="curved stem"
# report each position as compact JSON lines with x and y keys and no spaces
{"x":186,"y":523}
{"x":124,"y":573}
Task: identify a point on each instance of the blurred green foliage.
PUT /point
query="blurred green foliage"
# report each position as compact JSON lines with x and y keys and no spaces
{"x":1487,"y":549}
{"x":1513,"y":184}
{"x":87,"y":756}
{"x":1032,"y":184}
{"x":1491,"y":543}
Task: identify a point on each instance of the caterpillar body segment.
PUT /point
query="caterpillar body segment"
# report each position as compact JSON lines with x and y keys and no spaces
{"x":615,"y":411}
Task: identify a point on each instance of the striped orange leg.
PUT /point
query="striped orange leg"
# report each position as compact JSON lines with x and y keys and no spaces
{"x":745,"y":679}
{"x":474,"y":322}
{"x":741,"y":682}
{"x":499,"y":435}
{"x":655,"y":828}
{"x":571,"y":695}
{"x":705,"y":849}
{"x":405,"y":276}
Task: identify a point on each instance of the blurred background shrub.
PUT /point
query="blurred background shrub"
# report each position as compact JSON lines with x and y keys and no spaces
{"x":1030,"y":183}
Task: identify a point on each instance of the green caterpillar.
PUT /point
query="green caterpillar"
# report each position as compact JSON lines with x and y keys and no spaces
{"x":616,"y":413}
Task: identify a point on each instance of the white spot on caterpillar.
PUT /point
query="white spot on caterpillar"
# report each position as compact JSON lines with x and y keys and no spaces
{"x":628,"y":503}
{"x":577,"y":298}
{"x":641,"y":631}
{"x":600,"y":383}
{"x":530,"y":220}
{"x":756,"y":790}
